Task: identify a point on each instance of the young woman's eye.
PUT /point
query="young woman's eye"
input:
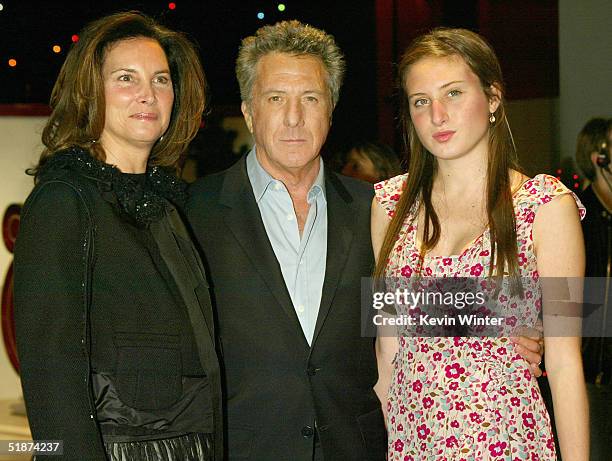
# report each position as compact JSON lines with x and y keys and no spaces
{"x":125,"y":78}
{"x":454,"y":93}
{"x":420,"y":102}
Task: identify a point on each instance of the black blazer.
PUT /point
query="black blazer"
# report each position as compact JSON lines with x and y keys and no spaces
{"x":96,"y":302}
{"x":277,"y":386}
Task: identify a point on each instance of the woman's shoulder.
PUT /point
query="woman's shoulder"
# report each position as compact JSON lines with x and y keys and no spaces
{"x":389,"y":191}
{"x":69,"y":166}
{"x":544,"y":188}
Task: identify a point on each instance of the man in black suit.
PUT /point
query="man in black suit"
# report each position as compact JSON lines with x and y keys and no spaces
{"x":287,"y":243}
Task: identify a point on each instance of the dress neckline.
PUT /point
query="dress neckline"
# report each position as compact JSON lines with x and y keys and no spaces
{"x":472,"y":243}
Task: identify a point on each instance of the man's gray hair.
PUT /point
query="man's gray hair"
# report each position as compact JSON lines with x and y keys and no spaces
{"x":294,"y":38}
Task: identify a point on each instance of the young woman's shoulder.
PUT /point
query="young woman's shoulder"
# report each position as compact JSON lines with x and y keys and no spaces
{"x":543,"y":189}
{"x":389,"y":191}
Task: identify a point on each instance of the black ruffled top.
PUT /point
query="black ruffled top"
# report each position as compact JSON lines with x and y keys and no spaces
{"x":142,"y":201}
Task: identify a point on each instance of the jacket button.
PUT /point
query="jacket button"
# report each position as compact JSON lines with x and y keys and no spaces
{"x":307,"y":432}
{"x":312,"y":371}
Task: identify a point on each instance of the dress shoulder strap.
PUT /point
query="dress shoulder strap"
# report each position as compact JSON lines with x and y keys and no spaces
{"x":388,"y":192}
{"x":541,"y":189}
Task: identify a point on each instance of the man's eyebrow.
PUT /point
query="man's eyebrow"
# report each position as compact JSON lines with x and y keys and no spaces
{"x":272,"y":90}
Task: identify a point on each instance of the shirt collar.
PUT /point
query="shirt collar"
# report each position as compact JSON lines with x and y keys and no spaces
{"x":262,"y":181}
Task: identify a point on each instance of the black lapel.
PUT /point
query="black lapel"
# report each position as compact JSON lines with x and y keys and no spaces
{"x":339,"y":237}
{"x":244,"y":220}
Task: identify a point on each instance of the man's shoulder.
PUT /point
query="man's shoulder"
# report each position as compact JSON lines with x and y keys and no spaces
{"x":357,"y":189}
{"x":210,"y":186}
{"x":207,"y":184}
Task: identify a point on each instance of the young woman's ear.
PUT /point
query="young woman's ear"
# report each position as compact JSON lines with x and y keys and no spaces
{"x":495,"y":97}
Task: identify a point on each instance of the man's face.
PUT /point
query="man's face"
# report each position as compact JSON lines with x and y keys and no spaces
{"x":290,"y":111}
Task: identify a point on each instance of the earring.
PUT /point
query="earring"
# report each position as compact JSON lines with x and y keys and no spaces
{"x":161,"y":139}
{"x":491,"y":118}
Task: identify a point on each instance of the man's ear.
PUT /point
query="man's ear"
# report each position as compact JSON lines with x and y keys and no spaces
{"x":495,"y":98}
{"x":246,"y":113}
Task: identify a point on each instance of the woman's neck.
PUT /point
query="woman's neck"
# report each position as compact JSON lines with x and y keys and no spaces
{"x":127,"y":158}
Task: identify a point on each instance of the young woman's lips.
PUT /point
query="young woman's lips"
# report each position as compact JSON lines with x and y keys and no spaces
{"x":144,"y":116}
{"x":443,"y":136}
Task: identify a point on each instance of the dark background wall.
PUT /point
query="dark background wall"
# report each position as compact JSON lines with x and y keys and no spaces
{"x":372,"y":33}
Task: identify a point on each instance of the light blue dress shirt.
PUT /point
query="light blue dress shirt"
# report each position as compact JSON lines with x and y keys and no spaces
{"x":302,"y":259}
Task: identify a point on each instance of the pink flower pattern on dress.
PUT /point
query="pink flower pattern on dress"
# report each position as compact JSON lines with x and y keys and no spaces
{"x":468,"y":398}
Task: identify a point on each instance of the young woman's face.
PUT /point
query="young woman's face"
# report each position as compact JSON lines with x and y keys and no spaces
{"x":448,"y":107}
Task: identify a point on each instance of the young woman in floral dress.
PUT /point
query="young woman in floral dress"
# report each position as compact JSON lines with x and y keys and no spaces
{"x":465,"y":210}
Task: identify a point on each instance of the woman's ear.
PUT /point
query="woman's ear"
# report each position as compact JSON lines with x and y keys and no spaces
{"x":495,"y":97}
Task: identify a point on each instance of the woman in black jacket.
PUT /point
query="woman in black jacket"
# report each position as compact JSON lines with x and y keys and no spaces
{"x":114,"y":322}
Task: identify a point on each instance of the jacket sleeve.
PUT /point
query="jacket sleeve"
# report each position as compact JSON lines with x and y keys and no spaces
{"x":50,"y":317}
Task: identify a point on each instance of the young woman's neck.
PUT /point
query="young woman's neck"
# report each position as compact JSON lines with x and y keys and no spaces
{"x":466,"y":173}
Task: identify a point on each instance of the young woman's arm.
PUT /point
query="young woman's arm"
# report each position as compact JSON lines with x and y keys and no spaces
{"x":559,"y":249}
{"x":386,"y":340}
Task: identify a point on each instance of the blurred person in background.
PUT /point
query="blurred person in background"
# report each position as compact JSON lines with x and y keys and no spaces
{"x":593,"y":150}
{"x":368,"y":161}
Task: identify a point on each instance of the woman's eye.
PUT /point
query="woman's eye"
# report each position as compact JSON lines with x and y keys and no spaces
{"x":162,"y":79}
{"x":125,"y":78}
{"x":420,"y":102}
{"x":454,"y":93}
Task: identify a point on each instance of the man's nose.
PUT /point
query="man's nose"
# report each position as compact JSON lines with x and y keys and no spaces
{"x":294,"y":113}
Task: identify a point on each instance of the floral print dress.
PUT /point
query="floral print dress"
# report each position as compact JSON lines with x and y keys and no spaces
{"x":468,"y":398}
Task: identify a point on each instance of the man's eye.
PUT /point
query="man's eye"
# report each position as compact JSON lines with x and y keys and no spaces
{"x":275,"y":99}
{"x":312,"y":99}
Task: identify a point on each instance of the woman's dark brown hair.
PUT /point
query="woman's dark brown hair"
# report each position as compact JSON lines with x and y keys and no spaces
{"x":77,"y":99}
{"x":481,"y":59}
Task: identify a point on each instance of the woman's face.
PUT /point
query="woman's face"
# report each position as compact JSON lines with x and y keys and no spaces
{"x":448,"y":107}
{"x":138,"y":94}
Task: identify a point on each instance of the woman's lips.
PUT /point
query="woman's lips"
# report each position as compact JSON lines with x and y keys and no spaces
{"x":443,"y":136}
{"x":144,"y":116}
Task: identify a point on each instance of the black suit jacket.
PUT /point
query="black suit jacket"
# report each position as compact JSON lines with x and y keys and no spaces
{"x":277,"y":386}
{"x":95,"y":297}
